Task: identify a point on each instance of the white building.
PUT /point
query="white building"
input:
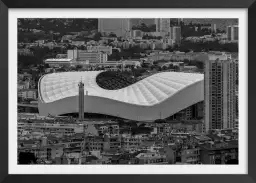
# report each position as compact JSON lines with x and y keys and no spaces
{"x":67,"y":129}
{"x":131,"y":62}
{"x":28,"y":94}
{"x":137,"y":34}
{"x":220,"y":98}
{"x":232,"y":33}
{"x":77,"y":43}
{"x":56,"y":62}
{"x":175,"y":34}
{"x":87,"y":56}
{"x":213,"y":28}
{"x":104,"y":49}
{"x":162,"y":24}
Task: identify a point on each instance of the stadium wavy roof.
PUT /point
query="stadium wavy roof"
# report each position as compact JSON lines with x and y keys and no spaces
{"x":150,"y":92}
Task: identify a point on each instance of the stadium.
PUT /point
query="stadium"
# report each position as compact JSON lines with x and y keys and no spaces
{"x":158,"y":96}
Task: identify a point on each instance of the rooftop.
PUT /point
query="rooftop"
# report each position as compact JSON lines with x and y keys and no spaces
{"x":58,"y":60}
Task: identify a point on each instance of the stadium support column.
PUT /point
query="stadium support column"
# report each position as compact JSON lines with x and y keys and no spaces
{"x":81,"y":101}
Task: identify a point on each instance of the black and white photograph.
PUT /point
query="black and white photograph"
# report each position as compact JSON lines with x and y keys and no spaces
{"x":129,"y":91}
{"x":107,"y":91}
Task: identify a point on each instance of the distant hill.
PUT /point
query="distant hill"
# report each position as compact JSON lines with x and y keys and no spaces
{"x":59,"y":25}
{"x":138,"y":21}
{"x":220,"y":23}
{"x":77,"y":25}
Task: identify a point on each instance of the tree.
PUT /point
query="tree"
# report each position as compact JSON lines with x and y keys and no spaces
{"x":27,"y":158}
{"x":159,"y":68}
{"x":112,"y":34}
{"x":164,"y":67}
{"x":78,"y":67}
{"x":46,"y":66}
{"x":186,"y":60}
{"x":97,"y":36}
{"x":176,"y":68}
{"x":232,"y":161}
{"x":152,"y":67}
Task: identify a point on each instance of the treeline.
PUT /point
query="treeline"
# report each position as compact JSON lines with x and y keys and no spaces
{"x":145,"y":28}
{"x":59,"y":25}
{"x":187,"y":46}
{"x":132,"y":52}
{"x":39,"y":55}
{"x":30,"y":37}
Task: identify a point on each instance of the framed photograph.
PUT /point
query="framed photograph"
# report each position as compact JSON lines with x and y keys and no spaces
{"x":129,"y":88}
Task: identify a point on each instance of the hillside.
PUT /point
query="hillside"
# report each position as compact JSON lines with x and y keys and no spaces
{"x":220,"y":23}
{"x":59,"y":25}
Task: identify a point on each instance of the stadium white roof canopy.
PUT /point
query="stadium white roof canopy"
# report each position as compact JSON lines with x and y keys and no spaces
{"x":161,"y":94}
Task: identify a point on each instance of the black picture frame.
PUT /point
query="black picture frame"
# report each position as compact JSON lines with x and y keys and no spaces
{"x":5,"y":4}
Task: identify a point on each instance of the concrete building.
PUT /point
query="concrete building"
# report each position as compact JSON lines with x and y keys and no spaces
{"x":137,"y":34}
{"x":219,"y":153}
{"x":65,"y":129}
{"x":214,"y":28}
{"x":151,"y":158}
{"x":78,"y":42}
{"x":144,"y":45}
{"x":56,"y":62}
{"x":152,"y":45}
{"x":232,"y":33}
{"x":162,"y":24}
{"x":129,"y":142}
{"x":23,"y":85}
{"x":160,"y":45}
{"x":175,"y":34}
{"x":190,"y":156}
{"x":104,"y":49}
{"x":119,"y":26}
{"x":28,"y":94}
{"x":220,"y":96}
{"x":126,"y":45}
{"x":85,"y":55}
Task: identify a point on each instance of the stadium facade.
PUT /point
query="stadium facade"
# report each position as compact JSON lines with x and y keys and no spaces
{"x":156,"y":97}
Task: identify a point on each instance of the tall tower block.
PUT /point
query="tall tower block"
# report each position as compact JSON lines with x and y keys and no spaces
{"x":81,"y":101}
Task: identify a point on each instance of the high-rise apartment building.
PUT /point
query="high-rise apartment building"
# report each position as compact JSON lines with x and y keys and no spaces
{"x":232,"y":33}
{"x":180,"y":20}
{"x":220,"y":92}
{"x":119,"y":26}
{"x":162,"y":24}
{"x":175,"y":34}
{"x":136,"y":34}
{"x":213,"y":28}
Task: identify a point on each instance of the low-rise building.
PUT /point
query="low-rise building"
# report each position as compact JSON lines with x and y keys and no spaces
{"x":219,"y":153}
{"x":104,"y":49}
{"x":130,"y":142}
{"x":23,"y":85}
{"x":190,"y":156}
{"x":151,"y":158}
{"x":28,"y":94}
